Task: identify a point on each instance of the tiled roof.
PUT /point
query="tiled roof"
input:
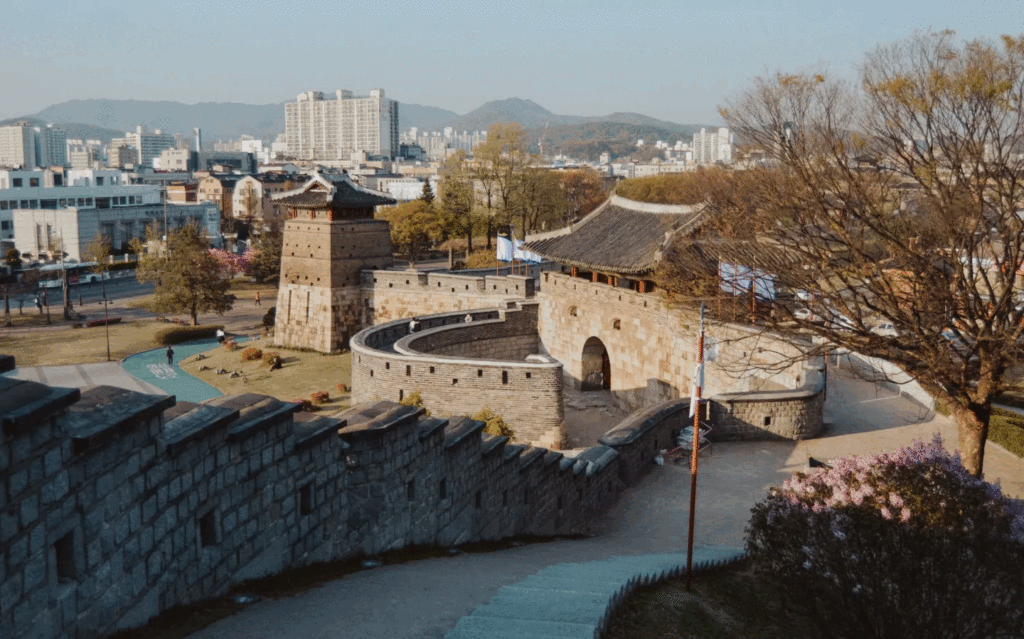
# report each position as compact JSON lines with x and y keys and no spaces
{"x":345,"y":195}
{"x":619,"y":238}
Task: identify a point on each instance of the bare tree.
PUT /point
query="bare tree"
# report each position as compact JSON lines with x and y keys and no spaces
{"x":896,"y":202}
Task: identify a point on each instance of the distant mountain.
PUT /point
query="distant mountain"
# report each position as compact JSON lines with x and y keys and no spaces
{"x":106,"y":119}
{"x":427,"y":118}
{"x":74,"y":130}
{"x":527,"y":113}
{"x":225,"y":120}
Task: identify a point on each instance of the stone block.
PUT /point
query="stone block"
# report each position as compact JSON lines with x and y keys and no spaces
{"x":29,"y":509}
{"x":52,"y":462}
{"x":35,"y":571}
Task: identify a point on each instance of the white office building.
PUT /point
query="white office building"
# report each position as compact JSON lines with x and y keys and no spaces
{"x":41,"y":232}
{"x":319,"y":129}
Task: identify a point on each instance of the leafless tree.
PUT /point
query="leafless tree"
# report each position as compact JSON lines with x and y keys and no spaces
{"x":893,"y":202}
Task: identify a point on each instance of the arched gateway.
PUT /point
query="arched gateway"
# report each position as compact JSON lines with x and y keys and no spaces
{"x":597,"y":367}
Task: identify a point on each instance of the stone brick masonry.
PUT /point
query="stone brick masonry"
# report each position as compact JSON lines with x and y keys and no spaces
{"x":115,"y":505}
{"x":460,"y":367}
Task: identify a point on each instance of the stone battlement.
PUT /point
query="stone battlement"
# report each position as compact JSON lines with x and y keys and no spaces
{"x":116,"y":505}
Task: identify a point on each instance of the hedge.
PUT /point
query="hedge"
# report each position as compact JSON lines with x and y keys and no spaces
{"x":1007,"y":429}
{"x":103,"y":322}
{"x":123,"y":266}
{"x":179,"y":334}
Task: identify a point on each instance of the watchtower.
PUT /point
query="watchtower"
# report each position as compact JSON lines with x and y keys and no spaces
{"x":330,"y":237}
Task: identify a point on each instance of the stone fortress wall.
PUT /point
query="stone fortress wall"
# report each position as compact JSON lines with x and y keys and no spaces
{"x":459,"y":367}
{"x":651,"y":351}
{"x":392,"y":295}
{"x":116,"y":505}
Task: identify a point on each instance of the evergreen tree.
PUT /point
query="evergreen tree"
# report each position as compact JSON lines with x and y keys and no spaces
{"x":189,"y":279}
{"x":428,"y":193}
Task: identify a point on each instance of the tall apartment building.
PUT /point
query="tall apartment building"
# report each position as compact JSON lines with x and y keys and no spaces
{"x":709,"y":148}
{"x":51,"y":145}
{"x":318,"y":129}
{"x":18,"y":147}
{"x":147,"y":145}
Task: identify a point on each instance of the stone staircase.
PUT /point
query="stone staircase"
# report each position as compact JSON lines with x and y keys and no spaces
{"x":575,"y":600}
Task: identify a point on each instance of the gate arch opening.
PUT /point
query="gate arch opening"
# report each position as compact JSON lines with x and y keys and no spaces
{"x":597,"y":368}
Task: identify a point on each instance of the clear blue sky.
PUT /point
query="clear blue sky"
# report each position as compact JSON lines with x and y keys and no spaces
{"x":671,"y":60}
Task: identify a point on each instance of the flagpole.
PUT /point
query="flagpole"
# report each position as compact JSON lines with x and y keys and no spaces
{"x":698,"y":384}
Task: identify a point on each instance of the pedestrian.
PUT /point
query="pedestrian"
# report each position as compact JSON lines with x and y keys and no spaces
{"x":257,"y":298}
{"x":170,"y":356}
{"x":220,"y":335}
{"x":414,"y":325}
{"x":39,"y":304}
{"x":469,"y":318}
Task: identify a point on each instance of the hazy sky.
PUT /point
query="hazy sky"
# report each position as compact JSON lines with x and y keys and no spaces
{"x":671,"y":60}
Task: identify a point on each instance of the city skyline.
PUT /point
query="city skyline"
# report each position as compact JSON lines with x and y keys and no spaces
{"x":667,"y":60}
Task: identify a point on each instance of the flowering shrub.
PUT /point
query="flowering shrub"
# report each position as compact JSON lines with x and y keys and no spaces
{"x":305,"y":405}
{"x":252,"y":354}
{"x":271,"y":358}
{"x":230,"y":345}
{"x":231,"y":263}
{"x":343,"y":388}
{"x":320,"y":397}
{"x":909,"y":535}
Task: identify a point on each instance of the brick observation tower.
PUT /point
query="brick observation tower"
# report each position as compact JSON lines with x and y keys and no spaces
{"x":330,"y":237}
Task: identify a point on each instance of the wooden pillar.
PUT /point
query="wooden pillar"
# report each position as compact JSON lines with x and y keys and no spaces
{"x":574,"y":272}
{"x":593,"y":276}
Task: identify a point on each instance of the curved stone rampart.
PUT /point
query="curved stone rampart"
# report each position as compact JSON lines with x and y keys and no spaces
{"x":392,"y":295}
{"x":459,"y":368}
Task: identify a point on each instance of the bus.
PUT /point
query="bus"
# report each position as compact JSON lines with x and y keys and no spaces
{"x":52,"y":275}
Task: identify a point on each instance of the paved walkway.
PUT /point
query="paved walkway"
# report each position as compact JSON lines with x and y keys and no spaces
{"x":425,"y":599}
{"x":145,"y":372}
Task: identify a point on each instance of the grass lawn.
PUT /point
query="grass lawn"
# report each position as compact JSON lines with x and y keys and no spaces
{"x":66,"y":345}
{"x":728,"y":603}
{"x":301,"y":374}
{"x":243,"y":289}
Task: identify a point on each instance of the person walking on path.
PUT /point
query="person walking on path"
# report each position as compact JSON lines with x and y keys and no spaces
{"x":257,"y":298}
{"x":170,"y":356}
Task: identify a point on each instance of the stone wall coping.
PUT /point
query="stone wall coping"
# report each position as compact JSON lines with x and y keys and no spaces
{"x":7,"y":363}
{"x":492,"y":443}
{"x":804,"y":392}
{"x":459,"y":429}
{"x":255,"y":412}
{"x":512,"y":451}
{"x":380,"y":417}
{"x":552,"y":456}
{"x":310,"y":429}
{"x":104,"y":410}
{"x":634,"y":426}
{"x":405,"y":353}
{"x":566,"y":462}
{"x":430,"y":425}
{"x":594,"y":459}
{"x":531,"y":455}
{"x":24,"y":403}
{"x":191,"y":421}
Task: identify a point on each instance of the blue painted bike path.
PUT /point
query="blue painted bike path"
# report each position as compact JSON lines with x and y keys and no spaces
{"x":151,"y":367}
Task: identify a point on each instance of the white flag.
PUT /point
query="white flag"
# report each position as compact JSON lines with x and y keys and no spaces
{"x":698,"y":382}
{"x":504,"y":249}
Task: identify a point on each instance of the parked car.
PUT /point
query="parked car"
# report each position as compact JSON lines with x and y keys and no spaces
{"x":807,"y":315}
{"x":885,"y":329}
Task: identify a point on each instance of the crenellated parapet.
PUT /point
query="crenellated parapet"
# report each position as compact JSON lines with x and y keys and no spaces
{"x":117,"y":505}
